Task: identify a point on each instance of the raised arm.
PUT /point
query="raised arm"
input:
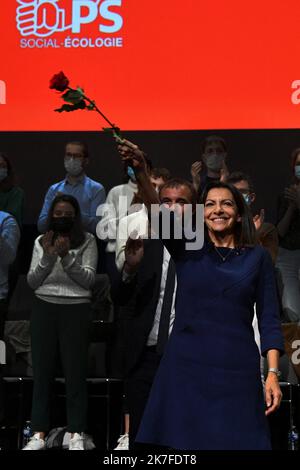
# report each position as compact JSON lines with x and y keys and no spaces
{"x":134,"y":157}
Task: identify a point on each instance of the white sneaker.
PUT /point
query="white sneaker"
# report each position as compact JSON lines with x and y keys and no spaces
{"x":76,"y":442}
{"x":123,"y":442}
{"x":66,"y":440}
{"x":35,"y":443}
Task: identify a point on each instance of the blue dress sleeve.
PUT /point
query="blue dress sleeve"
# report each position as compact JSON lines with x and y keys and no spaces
{"x":267,"y":307}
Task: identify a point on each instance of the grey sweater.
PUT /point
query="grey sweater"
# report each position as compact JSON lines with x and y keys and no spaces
{"x":65,"y":280}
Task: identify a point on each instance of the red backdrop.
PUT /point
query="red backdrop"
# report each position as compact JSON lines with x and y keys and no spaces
{"x":183,"y":64}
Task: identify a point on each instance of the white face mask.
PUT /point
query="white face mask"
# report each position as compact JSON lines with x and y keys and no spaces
{"x":214,"y":161}
{"x":3,"y":173}
{"x":297,"y":171}
{"x":73,"y":166}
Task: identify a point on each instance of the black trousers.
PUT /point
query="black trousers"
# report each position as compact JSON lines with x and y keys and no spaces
{"x":66,"y":326}
{"x":138,"y":386}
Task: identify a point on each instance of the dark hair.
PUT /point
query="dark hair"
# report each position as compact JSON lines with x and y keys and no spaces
{"x":213,"y":138}
{"x":294,"y":156}
{"x":77,"y":235}
{"x":9,"y":180}
{"x":237,"y":176}
{"x":176,"y":183}
{"x":163,"y":173}
{"x":244,"y":231}
{"x":83,"y":146}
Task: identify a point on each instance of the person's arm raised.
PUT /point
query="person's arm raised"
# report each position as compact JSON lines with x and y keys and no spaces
{"x":135,"y":157}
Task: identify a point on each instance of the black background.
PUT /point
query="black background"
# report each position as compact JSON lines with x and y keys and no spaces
{"x":37,"y":158}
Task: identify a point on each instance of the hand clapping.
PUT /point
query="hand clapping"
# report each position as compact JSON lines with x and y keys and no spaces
{"x":47,"y":243}
{"x":60,"y":247}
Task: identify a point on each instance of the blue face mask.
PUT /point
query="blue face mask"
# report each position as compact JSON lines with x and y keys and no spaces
{"x":297,"y":171}
{"x":247,"y":199}
{"x":131,"y":174}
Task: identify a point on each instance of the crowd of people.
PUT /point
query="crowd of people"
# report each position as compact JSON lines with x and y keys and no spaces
{"x":191,"y":326}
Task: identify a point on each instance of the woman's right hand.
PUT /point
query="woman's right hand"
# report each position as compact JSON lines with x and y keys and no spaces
{"x":47,"y":243}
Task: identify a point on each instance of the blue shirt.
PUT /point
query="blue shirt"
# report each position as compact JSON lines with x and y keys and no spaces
{"x":9,"y":241}
{"x":89,"y":194}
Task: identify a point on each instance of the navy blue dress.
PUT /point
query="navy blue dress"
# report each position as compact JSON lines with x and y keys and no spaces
{"x":208,"y":393}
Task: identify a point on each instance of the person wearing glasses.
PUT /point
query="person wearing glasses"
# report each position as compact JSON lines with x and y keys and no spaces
{"x":89,"y":193}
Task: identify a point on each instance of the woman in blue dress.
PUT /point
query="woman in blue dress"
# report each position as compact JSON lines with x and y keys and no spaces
{"x":208,"y":392}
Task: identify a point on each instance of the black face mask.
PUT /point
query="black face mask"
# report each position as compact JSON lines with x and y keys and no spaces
{"x":61,"y":224}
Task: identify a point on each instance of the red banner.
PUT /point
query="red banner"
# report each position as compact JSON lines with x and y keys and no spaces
{"x":159,"y":64}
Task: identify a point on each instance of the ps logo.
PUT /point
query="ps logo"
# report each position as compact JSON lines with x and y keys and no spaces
{"x":44,"y":17}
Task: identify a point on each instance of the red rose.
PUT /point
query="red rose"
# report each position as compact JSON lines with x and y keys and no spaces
{"x":59,"y":82}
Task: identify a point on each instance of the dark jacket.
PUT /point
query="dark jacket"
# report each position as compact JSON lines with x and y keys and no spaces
{"x":138,"y":300}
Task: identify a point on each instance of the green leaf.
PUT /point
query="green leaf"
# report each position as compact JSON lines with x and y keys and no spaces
{"x":91,"y":106}
{"x":80,"y":90}
{"x":72,"y":96}
{"x":71,"y":107}
{"x":80,"y":105}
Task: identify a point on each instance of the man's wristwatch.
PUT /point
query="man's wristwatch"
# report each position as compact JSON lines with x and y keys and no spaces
{"x":275,"y":371}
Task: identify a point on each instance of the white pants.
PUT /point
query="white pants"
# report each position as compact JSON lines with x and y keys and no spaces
{"x":288,"y":264}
